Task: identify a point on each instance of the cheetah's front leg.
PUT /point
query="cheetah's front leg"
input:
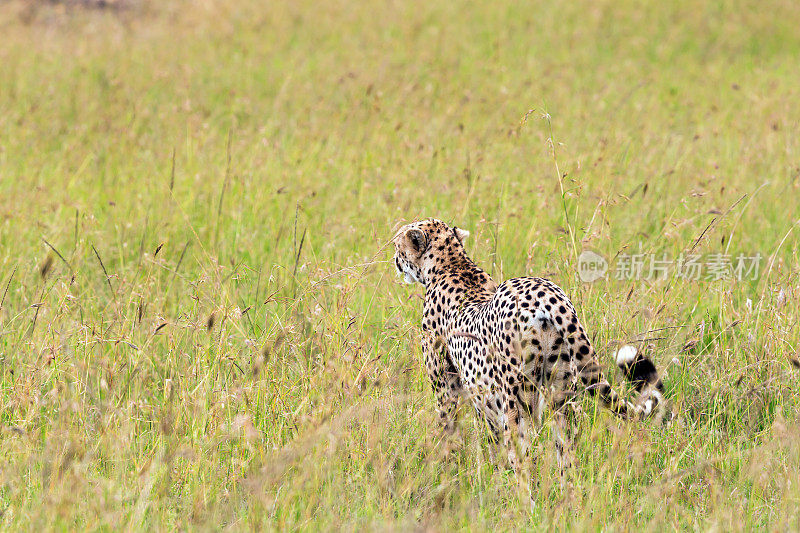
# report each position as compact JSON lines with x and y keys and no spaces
{"x":444,"y":380}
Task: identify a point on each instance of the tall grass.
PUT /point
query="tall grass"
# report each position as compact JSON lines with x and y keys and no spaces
{"x":198,"y":325}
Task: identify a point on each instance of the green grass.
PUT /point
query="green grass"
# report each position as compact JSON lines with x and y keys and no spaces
{"x":213,"y":336}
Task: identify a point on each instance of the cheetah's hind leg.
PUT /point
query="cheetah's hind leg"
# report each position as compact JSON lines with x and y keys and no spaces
{"x":564,"y":440}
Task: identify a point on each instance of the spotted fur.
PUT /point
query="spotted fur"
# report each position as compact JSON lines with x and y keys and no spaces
{"x":512,"y":349}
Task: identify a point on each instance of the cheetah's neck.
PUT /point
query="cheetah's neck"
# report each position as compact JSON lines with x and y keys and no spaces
{"x":454,"y":284}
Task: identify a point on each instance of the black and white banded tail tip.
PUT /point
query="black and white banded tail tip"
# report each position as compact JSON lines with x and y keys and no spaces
{"x":640,"y":371}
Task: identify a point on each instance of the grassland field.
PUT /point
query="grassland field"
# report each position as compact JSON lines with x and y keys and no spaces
{"x":200,"y":327}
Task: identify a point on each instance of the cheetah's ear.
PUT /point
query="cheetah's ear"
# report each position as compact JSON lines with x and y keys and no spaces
{"x":418,"y":240}
{"x":462,"y":234}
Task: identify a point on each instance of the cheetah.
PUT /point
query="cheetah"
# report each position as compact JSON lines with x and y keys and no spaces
{"x":513,"y":349}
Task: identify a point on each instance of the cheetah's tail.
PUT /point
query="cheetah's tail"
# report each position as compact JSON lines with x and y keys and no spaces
{"x":641,"y":373}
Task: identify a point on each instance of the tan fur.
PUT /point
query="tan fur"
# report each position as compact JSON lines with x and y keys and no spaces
{"x":511,"y":348}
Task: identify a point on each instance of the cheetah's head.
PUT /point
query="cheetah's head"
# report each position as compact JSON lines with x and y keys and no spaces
{"x":417,"y":246}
